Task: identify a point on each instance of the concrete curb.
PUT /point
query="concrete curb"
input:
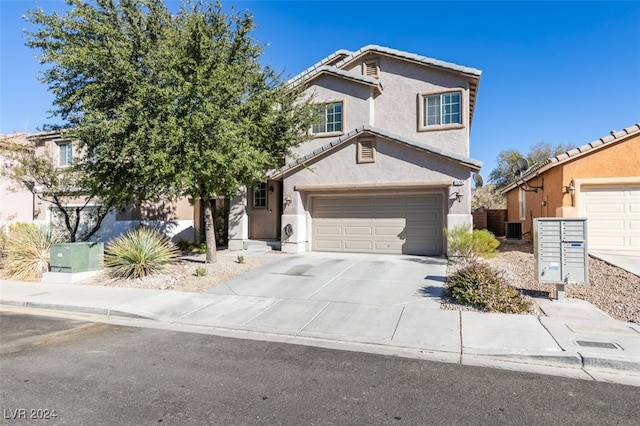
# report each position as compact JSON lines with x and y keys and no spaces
{"x":75,"y":309}
{"x":468,"y":356}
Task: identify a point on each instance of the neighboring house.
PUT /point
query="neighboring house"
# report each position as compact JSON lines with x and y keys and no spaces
{"x":388,"y":167}
{"x":17,"y":204}
{"x":599,"y":181}
{"x":178,"y":220}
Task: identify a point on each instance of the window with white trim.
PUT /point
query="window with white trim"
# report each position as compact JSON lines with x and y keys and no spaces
{"x":65,"y":154}
{"x":260,"y":196}
{"x":521,"y":205}
{"x":329,"y":118}
{"x":441,"y":109}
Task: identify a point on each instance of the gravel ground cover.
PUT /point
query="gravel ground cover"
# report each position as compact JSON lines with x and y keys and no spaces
{"x":182,"y":275}
{"x":611,"y":289}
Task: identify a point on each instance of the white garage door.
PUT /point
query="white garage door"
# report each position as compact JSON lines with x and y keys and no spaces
{"x":378,"y":224}
{"x":613,"y":215}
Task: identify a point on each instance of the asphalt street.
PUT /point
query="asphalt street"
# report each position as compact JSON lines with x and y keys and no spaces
{"x":111,"y":374}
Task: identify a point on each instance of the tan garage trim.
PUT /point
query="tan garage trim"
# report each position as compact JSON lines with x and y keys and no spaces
{"x":374,"y":186}
{"x":394,"y":224}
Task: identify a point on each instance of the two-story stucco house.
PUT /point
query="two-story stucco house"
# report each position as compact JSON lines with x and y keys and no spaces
{"x":388,"y":167}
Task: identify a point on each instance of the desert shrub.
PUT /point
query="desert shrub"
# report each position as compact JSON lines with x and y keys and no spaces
{"x":469,"y":245}
{"x":3,"y":244}
{"x":201,"y":271}
{"x":139,"y":253}
{"x":27,"y":250}
{"x":185,"y":245}
{"x":240,"y":259}
{"x":480,"y":285}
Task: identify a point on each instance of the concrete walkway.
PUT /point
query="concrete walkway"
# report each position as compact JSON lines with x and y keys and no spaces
{"x":628,"y":261}
{"x":375,"y":303}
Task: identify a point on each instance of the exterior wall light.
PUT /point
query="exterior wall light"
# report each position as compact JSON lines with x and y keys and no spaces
{"x":457,"y":196}
{"x":571,"y":189}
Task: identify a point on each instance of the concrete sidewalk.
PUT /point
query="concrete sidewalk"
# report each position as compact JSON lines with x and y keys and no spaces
{"x":370,"y":303}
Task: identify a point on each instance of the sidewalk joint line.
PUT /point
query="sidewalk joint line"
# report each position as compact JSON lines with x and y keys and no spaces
{"x":311,"y":320}
{"x":334,"y":277}
{"x":550,"y":334}
{"x":397,"y":323}
{"x":264,"y":310}
{"x":460,"y":327}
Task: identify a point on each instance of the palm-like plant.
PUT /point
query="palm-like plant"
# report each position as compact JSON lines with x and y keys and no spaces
{"x":139,"y":253}
{"x":27,"y":250}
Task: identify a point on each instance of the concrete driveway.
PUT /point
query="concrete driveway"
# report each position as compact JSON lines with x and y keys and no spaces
{"x":369,"y":279}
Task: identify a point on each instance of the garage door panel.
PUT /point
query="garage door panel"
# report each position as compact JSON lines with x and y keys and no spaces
{"x":378,"y":224}
{"x":329,"y":231}
{"x":359,"y":245}
{"x":391,"y":247}
{"x":605,"y":208}
{"x":613,"y":216}
{"x":330,"y":245}
{"x":357,"y":230}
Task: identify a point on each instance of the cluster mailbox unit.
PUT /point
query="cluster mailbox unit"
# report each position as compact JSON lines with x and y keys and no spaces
{"x":560,"y":250}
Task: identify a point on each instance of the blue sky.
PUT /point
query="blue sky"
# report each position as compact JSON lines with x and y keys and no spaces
{"x":556,"y":72}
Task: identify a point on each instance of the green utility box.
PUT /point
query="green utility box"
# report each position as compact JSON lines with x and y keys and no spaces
{"x":76,"y":257}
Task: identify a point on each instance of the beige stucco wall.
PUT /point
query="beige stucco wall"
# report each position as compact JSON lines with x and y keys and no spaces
{"x":181,"y":209}
{"x":395,"y":163}
{"x":355,"y":108}
{"x":398,"y":169}
{"x":396,"y":109}
{"x":16,"y":203}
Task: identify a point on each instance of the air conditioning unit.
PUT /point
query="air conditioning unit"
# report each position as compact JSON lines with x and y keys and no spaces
{"x":513,"y":230}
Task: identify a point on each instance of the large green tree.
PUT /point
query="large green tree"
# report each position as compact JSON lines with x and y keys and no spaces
{"x":503,"y":175}
{"x":77,"y":208}
{"x":168,"y":104}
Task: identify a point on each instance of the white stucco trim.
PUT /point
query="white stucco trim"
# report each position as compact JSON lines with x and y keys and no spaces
{"x":298,"y":241}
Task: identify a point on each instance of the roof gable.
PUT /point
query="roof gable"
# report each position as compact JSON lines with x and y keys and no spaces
{"x":335,"y":63}
{"x":589,"y":148}
{"x":470,"y":163}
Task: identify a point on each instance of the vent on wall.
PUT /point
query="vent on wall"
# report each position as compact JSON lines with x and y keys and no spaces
{"x":370,"y":69}
{"x":366,"y":151}
{"x":513,"y":230}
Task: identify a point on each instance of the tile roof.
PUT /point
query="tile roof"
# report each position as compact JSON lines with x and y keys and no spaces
{"x":466,"y":161}
{"x":339,"y":59}
{"x":424,"y":60}
{"x":613,"y":137}
{"x":359,"y":78}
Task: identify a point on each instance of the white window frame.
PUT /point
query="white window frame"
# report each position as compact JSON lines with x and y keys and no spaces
{"x":65,"y":154}
{"x":522,"y":196}
{"x":444,"y":110}
{"x":322,"y":129}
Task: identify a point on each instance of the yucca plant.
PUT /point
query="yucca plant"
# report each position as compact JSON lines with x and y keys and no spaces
{"x":139,"y":253}
{"x":26,"y":253}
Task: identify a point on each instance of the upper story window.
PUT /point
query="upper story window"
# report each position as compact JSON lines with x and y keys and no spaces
{"x":329,"y":118}
{"x":260,"y":196}
{"x":65,"y":154}
{"x":442,"y":109}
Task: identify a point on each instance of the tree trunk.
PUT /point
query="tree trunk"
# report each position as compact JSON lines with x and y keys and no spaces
{"x":209,"y":231}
